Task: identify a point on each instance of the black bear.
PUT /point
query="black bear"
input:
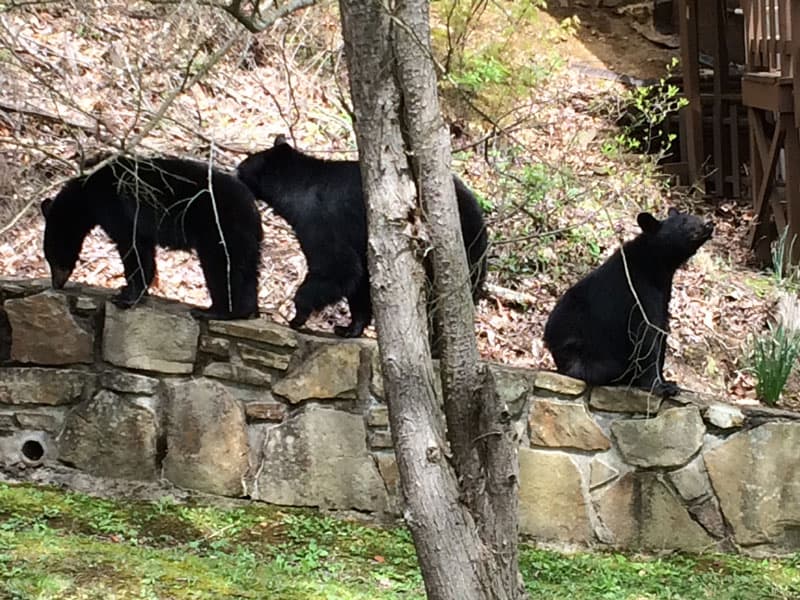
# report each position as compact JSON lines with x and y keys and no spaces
{"x":601,"y":333}
{"x":142,"y":203}
{"x":323,"y":202}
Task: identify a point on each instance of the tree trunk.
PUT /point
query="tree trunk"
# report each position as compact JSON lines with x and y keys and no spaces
{"x":460,"y":497}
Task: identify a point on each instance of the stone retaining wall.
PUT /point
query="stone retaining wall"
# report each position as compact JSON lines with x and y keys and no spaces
{"x":253,"y":409}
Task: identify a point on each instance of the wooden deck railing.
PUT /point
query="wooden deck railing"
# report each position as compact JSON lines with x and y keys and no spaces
{"x":772,"y":40}
{"x":769,"y":37}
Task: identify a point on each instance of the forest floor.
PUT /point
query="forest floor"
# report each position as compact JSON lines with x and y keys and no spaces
{"x":535,"y":134}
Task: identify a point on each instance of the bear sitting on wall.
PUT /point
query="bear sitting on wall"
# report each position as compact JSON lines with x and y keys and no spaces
{"x":323,"y":201}
{"x":142,"y":203}
{"x":601,"y":333}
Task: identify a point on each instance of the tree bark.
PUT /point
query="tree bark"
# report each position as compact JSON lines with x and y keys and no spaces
{"x":460,"y":491}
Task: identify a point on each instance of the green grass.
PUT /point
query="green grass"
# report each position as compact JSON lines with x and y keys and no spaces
{"x":63,"y":545}
{"x":551,"y":576}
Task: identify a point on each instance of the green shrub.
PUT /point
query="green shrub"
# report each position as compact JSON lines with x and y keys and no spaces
{"x":641,"y":113}
{"x":480,"y":70}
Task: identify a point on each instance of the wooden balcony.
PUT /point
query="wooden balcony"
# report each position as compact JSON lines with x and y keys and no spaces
{"x":771,"y":94}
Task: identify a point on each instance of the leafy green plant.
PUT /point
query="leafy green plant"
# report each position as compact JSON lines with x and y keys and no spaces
{"x":485,"y":203}
{"x":772,"y":358}
{"x":480,"y":70}
{"x":641,"y":113}
{"x":462,"y":19}
{"x":565,"y":29}
{"x":493,"y":70}
{"x":546,"y":224}
{"x":785,"y":274}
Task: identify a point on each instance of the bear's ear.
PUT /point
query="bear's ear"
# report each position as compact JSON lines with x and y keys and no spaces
{"x":46,"y":204}
{"x":280,"y":140}
{"x":673,"y":212}
{"x":648,"y":222}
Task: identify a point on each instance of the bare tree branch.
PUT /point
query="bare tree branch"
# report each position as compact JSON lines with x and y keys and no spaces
{"x":257,"y":18}
{"x":35,"y":111}
{"x":172,"y":96}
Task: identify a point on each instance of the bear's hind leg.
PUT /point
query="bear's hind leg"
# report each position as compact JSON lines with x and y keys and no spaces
{"x":360,"y":312}
{"x":648,"y":363}
{"x":139,"y":260}
{"x":245,"y":302}
{"x":220,"y":281}
{"x":231,"y":273}
{"x":244,"y":281}
{"x":593,"y":371}
{"x":315,"y":293}
{"x":242,"y":303}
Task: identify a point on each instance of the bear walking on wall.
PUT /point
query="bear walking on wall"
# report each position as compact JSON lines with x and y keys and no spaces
{"x":142,"y":203}
{"x":323,"y":201}
{"x":601,"y":333}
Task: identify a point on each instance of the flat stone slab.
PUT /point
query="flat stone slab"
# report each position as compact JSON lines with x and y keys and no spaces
{"x":23,"y":287}
{"x":238,"y":373}
{"x":259,"y":330}
{"x":265,"y":410}
{"x":756,"y":475}
{"x":207,"y":441}
{"x":88,"y":303}
{"x":110,"y":436}
{"x":378,"y":416}
{"x":724,"y":416}
{"x":149,"y":339}
{"x":552,"y":504}
{"x":691,"y":481}
{"x":329,"y":371}
{"x":264,"y":358}
{"x":565,"y":425}
{"x":131,"y":383}
{"x":49,"y":420}
{"x":600,"y":473}
{"x":560,"y":384}
{"x":624,"y":399}
{"x":642,"y":513}
{"x":668,"y":440}
{"x":37,"y":385}
{"x":43,"y":331}
{"x":319,"y":458}
{"x":513,"y":386}
{"x":219,"y":347}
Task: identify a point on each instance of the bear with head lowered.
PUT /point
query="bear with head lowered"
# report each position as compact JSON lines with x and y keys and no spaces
{"x":323,"y":202}
{"x":610,"y":328}
{"x":142,"y":203}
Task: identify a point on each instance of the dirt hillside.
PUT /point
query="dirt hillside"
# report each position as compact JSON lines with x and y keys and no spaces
{"x":532,"y":99}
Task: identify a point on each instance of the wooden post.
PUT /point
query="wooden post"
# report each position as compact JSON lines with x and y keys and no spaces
{"x":791,"y":149}
{"x":693,"y":112}
{"x":736,"y":179}
{"x":794,"y":39}
{"x":720,"y":54}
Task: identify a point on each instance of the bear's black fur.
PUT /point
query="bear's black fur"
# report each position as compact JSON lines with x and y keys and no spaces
{"x":597,"y":332}
{"x":324,"y":203}
{"x":142,"y":203}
